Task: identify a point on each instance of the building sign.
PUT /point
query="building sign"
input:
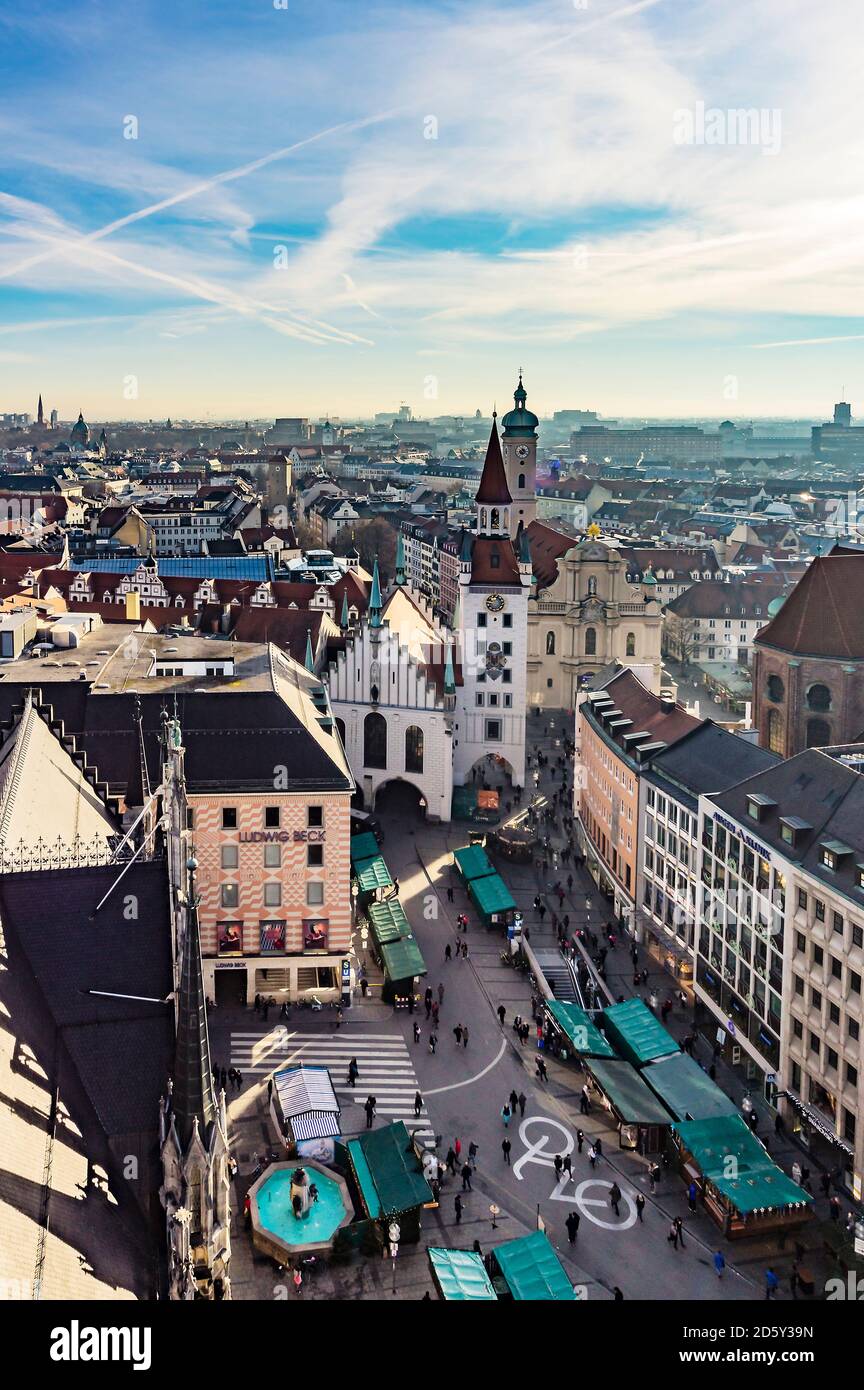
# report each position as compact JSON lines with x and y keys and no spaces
{"x":742,"y":834}
{"x":272,"y":936}
{"x":230,"y":938}
{"x":281,"y":837}
{"x":315,"y":933}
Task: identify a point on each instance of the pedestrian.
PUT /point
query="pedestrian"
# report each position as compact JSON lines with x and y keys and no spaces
{"x":270,"y":1089}
{"x":679,"y":1227}
{"x":224,"y":1076}
{"x":615,"y":1198}
{"x":418,"y":1104}
{"x":568,"y":1166}
{"x":298,"y":1282}
{"x":541,"y":1069}
{"x":457,"y":1033}
{"x":592,"y":1156}
{"x":584,"y":1100}
{"x":505,"y":1114}
{"x":457,"y":1146}
{"x":771,"y":1282}
{"x":572,"y":1224}
{"x":433,"y":1043}
{"x":448,"y":952}
{"x":472,"y":1153}
{"x":825,"y":1180}
{"x":514,"y":1101}
{"x":691,"y":1197}
{"x":436,"y":1009}
{"x":580,"y":1140}
{"x":673,"y":1235}
{"x":466,"y":1177}
{"x":449,"y":895}
{"x":719,"y":1263}
{"x":559,"y":1164}
{"x":416,"y":1031}
{"x":369,"y":1107}
{"x":464,"y":950}
{"x":796,"y":1172}
{"x":457,"y":1203}
{"x":640,"y":1205}
{"x":505,"y":1149}
{"x":598,"y":1148}
{"x":522,"y":1100}
{"x":501,"y":1011}
{"x":238,"y":1078}
{"x":440,"y":995}
{"x":353,"y":1072}
{"x":451,"y":1160}
{"x":617,"y":1294}
{"x":464,"y":1036}
{"x":794,"y":1280}
{"x":834,"y":1208}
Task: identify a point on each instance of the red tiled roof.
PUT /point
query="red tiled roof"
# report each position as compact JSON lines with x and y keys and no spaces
{"x":493,"y":489}
{"x":824,"y":614}
{"x":647,"y":711}
{"x":485,"y":551}
{"x":547,"y":546}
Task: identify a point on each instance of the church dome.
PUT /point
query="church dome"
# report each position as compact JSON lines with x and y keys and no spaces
{"x":80,"y":430}
{"x":775,"y":605}
{"x":519,"y":421}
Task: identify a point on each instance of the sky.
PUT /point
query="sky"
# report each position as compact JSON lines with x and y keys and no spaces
{"x":251,"y":208}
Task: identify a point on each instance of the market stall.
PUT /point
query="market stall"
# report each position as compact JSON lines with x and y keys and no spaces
{"x":743,"y":1191}
{"x":686,"y":1090}
{"x":389,"y":1179}
{"x":472,"y":862}
{"x":528,"y":1269}
{"x":636,"y":1034}
{"x":460,"y":1276}
{"x":304,"y":1105}
{"x":643,"y":1121}
{"x":574,"y":1031}
{"x":373,"y":877}
{"x":493,"y":900}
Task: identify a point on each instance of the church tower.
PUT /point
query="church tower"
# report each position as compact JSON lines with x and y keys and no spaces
{"x":491,"y":626}
{"x":520,"y":459}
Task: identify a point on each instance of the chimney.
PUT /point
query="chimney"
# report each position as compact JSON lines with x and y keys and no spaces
{"x":667,"y":704}
{"x":133,"y":607}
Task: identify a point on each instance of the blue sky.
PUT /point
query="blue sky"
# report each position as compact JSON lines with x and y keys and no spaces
{"x":334,"y":208}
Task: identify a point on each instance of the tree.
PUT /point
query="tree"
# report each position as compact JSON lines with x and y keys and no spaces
{"x":305,"y":536}
{"x":375,"y":539}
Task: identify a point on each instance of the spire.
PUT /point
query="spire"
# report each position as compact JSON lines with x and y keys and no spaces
{"x":310,"y":660}
{"x":40,"y":413}
{"x":400,"y":561}
{"x":493,"y":489}
{"x":449,"y":674}
{"x":192,"y":1096}
{"x":345,"y":620}
{"x":375,"y":604}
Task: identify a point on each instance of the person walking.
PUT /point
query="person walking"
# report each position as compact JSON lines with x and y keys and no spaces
{"x":673,"y":1235}
{"x":691,"y":1197}
{"x":466,"y":1177}
{"x":505,"y":1114}
{"x":514,"y":1101}
{"x":559,"y":1164}
{"x":592,"y":1156}
{"x":451,"y":1160}
{"x":464,"y":1036}
{"x":572,"y":1224}
{"x":585,"y":1100}
{"x":457,"y":1205}
{"x":369,"y":1107}
{"x":679,"y":1227}
{"x":505,"y":1149}
{"x":522,"y":1100}
{"x":418,"y":1104}
{"x":353,"y":1072}
{"x":541,"y":1069}
{"x":416,"y":1032}
{"x":440,"y":995}
{"x":568,"y":1166}
{"x":794,"y":1280}
{"x":464,"y":950}
{"x":598,"y":1148}
{"x":719,"y":1263}
{"x":640,"y":1205}
{"x":834,"y":1208}
{"x":502,"y":1013}
{"x":457,"y":1033}
{"x":771,"y":1283}
{"x":615,"y":1198}
{"x":653,"y":1176}
{"x":433,"y":1043}
{"x":580,"y":1140}
{"x":449,"y":895}
{"x":448,"y":952}
{"x":472,"y":1154}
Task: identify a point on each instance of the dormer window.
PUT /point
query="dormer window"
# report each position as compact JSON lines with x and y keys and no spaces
{"x":758,"y":805}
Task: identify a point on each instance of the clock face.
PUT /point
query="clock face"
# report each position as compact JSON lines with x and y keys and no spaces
{"x":495,"y":602}
{"x":522,"y":451}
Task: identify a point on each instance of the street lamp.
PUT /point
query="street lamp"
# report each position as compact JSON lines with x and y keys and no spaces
{"x":394,"y":1233}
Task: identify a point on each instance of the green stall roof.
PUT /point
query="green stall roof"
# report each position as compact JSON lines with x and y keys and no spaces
{"x":760,"y":1183}
{"x":584,"y":1035}
{"x":461,"y":1275}
{"x":402,"y":959}
{"x":491,"y":895}
{"x":623,"y":1086}
{"x":363,"y":846}
{"x":372,"y":874}
{"x":686,"y":1089}
{"x":533,"y":1271}
{"x":388,"y":1171}
{"x":636,"y":1034}
{"x":473,"y":862}
{"x":388,"y":921}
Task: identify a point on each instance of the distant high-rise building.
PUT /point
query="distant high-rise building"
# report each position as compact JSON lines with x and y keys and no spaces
{"x":843,"y":413}
{"x":54,"y":418}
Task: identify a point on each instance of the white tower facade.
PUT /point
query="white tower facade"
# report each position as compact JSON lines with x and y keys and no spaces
{"x":491,"y":625}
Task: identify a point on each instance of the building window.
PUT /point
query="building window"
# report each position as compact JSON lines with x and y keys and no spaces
{"x":480,"y":699}
{"x":819,"y":698}
{"x":630,"y":649}
{"x":493,"y":730}
{"x":230,"y":856}
{"x":272,"y":894}
{"x":230,"y":894}
{"x":521,"y":481}
{"x":819,"y":909}
{"x":818,"y":733}
{"x":775,"y":689}
{"x":314,"y":816}
{"x":314,"y":856}
{"x":775,"y":731}
{"x":229,"y":817}
{"x":550,"y":643}
{"x":590,"y":641}
{"x":375,"y":741}
{"x":314,"y":894}
{"x":272,"y":817}
{"x":272,"y":856}
{"x":508,"y":620}
{"x":802,"y":899}
{"x":413,"y":749}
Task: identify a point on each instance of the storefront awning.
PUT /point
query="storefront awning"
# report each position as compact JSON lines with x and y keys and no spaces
{"x":388,"y":921}
{"x":402,"y":959}
{"x":461,"y":1276}
{"x":532,"y":1270}
{"x":584,"y":1035}
{"x":363,"y":846}
{"x":630,"y":1097}
{"x":491,"y":895}
{"x":686,"y":1090}
{"x":372,"y":874}
{"x":473,"y":862}
{"x":817,"y":1121}
{"x":726,"y":1143}
{"x":636,"y":1034}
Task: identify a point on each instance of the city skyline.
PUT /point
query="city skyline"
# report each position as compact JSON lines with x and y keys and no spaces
{"x":350,"y":211}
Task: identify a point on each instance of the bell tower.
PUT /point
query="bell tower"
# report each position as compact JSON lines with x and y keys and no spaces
{"x":519,"y":442}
